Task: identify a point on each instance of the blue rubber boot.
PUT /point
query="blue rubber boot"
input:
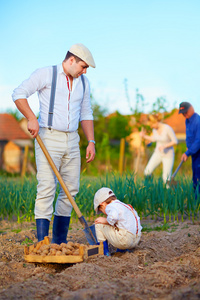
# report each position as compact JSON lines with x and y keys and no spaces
{"x":105,"y":248}
{"x":60,"y":229}
{"x":42,"y":228}
{"x":122,"y":250}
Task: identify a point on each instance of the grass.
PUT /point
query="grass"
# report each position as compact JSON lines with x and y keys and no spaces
{"x":163,"y":227}
{"x":16,"y":230}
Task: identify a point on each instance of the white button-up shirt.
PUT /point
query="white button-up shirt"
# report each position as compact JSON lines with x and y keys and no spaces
{"x":70,"y":107}
{"x":120,"y":214}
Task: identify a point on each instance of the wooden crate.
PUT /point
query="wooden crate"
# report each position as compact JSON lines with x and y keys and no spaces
{"x":84,"y":253}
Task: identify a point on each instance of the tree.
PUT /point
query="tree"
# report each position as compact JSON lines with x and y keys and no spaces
{"x":118,"y":126}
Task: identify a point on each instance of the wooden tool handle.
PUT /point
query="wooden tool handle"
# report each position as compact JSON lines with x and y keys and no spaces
{"x":63,"y":185}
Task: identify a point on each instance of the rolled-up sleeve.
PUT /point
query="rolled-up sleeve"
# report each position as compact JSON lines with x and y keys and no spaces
{"x":29,"y":86}
{"x":86,"y":109}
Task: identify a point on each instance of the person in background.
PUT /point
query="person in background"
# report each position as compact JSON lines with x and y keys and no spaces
{"x":121,"y":227}
{"x":165,"y":139}
{"x":192,"y":122}
{"x":58,"y":130}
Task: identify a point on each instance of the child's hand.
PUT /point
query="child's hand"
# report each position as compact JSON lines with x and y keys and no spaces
{"x":101,"y":220}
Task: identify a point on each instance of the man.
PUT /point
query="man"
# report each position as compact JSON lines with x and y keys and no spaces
{"x":59,"y":134}
{"x":192,"y":139}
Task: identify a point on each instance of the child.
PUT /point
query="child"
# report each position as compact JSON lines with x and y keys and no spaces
{"x":121,"y":227}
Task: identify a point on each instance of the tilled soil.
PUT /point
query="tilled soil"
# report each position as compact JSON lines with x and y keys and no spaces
{"x":165,"y":265}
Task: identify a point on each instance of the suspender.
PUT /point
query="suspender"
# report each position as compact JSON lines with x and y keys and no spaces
{"x":53,"y":92}
{"x":83,"y":83}
{"x":52,"y":97}
{"x":132,"y":210}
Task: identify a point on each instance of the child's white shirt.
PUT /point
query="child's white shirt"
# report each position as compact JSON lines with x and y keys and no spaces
{"x":120,"y":214}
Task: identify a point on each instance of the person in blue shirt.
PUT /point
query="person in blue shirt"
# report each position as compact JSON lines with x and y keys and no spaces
{"x":192,"y":123}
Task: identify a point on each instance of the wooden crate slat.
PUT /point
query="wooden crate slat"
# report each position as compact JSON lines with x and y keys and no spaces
{"x":62,"y":259}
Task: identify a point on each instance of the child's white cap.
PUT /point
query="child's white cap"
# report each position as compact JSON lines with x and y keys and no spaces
{"x":102,"y":195}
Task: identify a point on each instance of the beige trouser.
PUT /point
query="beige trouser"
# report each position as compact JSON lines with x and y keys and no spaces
{"x":158,"y":158}
{"x":64,"y":150}
{"x":121,"y":239}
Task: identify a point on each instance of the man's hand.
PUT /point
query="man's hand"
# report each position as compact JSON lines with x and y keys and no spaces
{"x":33,"y":127}
{"x":24,"y":108}
{"x":184,"y":157}
{"x":101,"y":220}
{"x":90,"y":152}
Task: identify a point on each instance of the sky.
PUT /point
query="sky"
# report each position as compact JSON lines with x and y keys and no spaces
{"x":153,"y":45}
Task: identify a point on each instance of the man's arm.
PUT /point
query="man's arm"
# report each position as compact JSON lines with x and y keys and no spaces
{"x":37,"y":81}
{"x":24,"y":108}
{"x":88,"y":129}
{"x":195,"y":147}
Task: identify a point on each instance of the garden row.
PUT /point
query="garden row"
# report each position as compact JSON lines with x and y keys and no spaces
{"x":149,"y":197}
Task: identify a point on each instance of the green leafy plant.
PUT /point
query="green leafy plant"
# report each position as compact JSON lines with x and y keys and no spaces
{"x":27,"y":242}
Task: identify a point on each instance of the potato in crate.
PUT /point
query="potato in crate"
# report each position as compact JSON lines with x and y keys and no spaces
{"x":44,"y":252}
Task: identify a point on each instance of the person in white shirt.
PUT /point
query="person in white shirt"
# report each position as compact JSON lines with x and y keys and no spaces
{"x":57,"y":126}
{"x":121,"y":227}
{"x":165,"y":139}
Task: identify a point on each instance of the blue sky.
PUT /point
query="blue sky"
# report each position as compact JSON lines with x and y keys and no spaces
{"x":154,"y":44}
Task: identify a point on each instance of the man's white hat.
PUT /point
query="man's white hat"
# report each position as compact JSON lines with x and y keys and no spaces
{"x":83,"y":53}
{"x":102,"y":195}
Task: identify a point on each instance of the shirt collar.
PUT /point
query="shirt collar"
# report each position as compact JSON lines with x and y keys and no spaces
{"x":60,"y":69}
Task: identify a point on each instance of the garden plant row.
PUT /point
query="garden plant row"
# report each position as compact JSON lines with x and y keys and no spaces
{"x":149,"y":197}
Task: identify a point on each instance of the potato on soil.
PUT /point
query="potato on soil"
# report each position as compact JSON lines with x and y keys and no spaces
{"x":58,"y":253}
